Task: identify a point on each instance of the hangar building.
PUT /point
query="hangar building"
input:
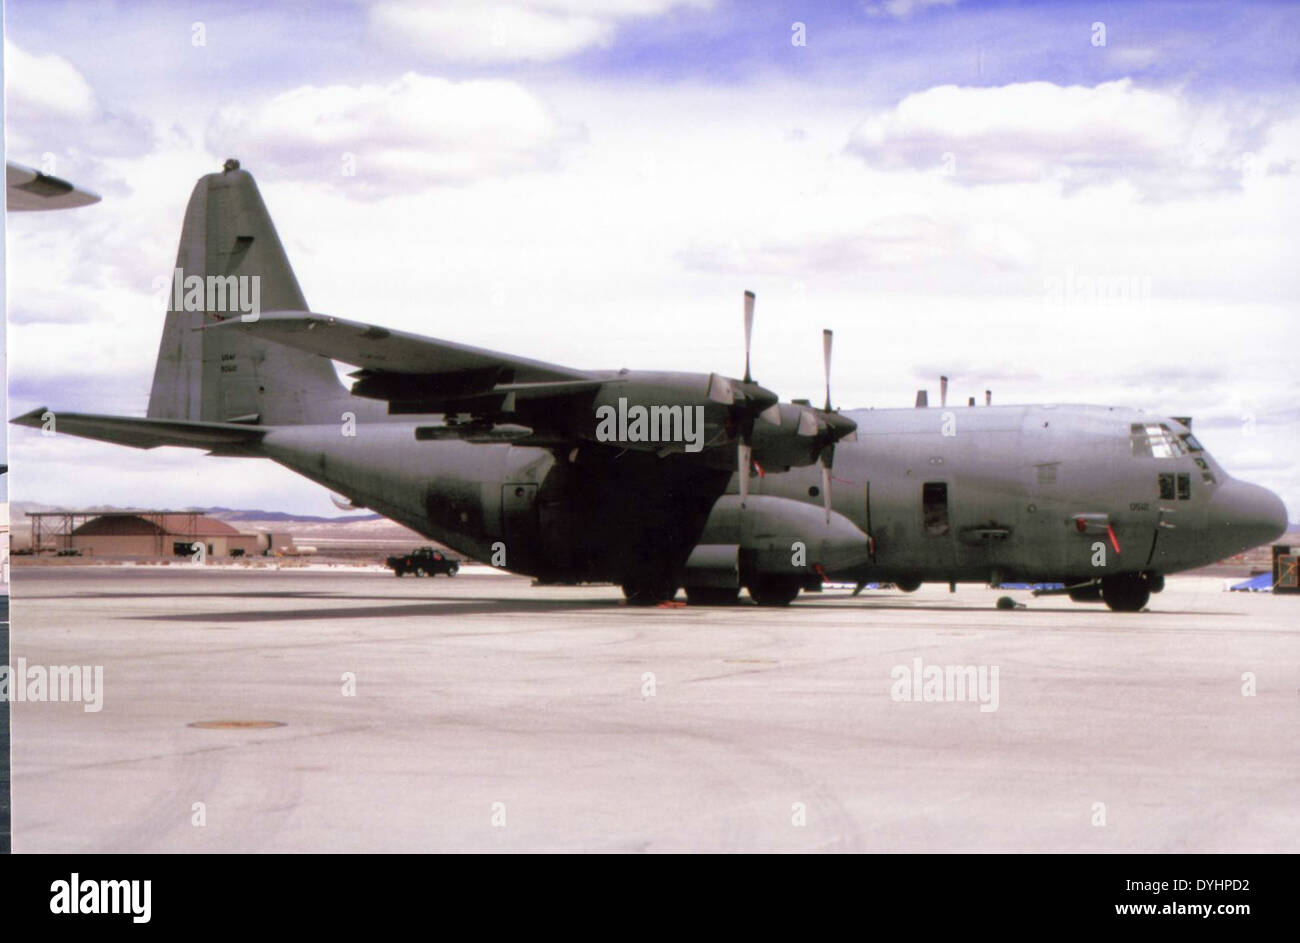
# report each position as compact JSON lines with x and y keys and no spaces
{"x":141,"y":534}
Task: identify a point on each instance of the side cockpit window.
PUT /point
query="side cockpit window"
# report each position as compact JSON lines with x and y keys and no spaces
{"x":1207,"y":476}
{"x":1175,"y":486}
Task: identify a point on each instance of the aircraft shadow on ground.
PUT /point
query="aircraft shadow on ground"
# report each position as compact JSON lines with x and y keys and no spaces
{"x":388,"y":607}
{"x":426,"y":607}
{"x":1030,"y":607}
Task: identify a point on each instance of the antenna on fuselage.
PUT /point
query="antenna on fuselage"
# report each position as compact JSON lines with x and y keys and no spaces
{"x":988,"y":397}
{"x":943,"y":391}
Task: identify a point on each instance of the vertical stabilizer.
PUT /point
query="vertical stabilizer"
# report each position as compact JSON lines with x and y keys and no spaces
{"x":231,"y":264}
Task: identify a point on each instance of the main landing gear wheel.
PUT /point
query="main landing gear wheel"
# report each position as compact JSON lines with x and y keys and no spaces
{"x":712,"y":595}
{"x":648,"y":591}
{"x":774,"y":592}
{"x":1127,"y":593}
{"x":908,"y":585}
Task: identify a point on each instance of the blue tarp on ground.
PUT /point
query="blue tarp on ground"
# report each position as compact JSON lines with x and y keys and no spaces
{"x":1000,"y":586}
{"x":1263,"y":583}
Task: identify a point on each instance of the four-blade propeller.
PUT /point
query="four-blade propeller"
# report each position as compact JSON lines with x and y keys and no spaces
{"x":825,"y":427}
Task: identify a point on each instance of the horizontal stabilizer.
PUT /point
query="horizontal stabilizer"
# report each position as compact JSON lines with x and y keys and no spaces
{"x":223,"y":438}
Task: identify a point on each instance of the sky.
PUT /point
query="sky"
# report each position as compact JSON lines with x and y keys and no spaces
{"x":1061,"y":202}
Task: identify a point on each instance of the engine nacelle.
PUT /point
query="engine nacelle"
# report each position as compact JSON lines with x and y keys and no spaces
{"x":691,"y":412}
{"x":662,"y":412}
{"x":786,"y":435}
{"x":772,"y":537}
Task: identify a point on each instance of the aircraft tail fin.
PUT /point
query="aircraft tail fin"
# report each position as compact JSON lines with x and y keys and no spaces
{"x":231,"y":265}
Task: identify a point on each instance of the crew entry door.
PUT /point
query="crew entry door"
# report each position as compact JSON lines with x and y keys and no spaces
{"x":936,"y":528}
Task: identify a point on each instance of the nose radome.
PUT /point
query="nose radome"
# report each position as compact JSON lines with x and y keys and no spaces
{"x":1247,"y":515}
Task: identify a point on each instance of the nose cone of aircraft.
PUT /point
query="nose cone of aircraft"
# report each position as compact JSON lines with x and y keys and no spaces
{"x":1245,"y":515}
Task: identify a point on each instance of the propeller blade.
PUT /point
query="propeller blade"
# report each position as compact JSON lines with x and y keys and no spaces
{"x":749,"y":331}
{"x":826,"y":485}
{"x":744,"y":453}
{"x":827,"y":338}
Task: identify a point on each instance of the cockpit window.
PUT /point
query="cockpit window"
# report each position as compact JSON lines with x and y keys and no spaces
{"x":1138,"y":440}
{"x":1189,"y":440}
{"x":1154,"y":440}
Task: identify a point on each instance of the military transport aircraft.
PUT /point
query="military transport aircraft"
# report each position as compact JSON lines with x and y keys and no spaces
{"x":632,"y":477}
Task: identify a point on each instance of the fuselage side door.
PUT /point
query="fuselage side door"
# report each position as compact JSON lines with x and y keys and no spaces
{"x":936,"y":526}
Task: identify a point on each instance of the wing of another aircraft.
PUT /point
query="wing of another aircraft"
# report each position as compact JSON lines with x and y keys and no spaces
{"x":28,"y":190}
{"x":219,"y":437}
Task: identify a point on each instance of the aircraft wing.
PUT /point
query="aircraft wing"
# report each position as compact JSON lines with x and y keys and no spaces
{"x":416,"y":374}
{"x":502,"y":397}
{"x":222,"y":438}
{"x":27,"y":190}
{"x":383,"y":350}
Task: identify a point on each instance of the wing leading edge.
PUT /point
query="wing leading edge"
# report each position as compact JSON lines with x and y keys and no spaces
{"x":383,"y":350}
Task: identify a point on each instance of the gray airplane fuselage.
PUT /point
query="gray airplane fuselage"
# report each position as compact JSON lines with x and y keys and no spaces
{"x":961,"y":494}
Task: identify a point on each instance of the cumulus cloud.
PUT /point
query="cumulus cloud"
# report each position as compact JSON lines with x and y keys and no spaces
{"x":891,"y":242}
{"x":377,"y":140}
{"x":901,"y":9}
{"x":1078,"y":135}
{"x":519,"y":31}
{"x":51,"y":112}
{"x":48,"y":86}
{"x":1280,"y":153}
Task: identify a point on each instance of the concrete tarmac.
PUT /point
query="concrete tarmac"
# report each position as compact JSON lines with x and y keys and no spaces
{"x":490,"y":715}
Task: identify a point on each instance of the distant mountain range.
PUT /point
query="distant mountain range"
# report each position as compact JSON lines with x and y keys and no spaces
{"x":19,"y":509}
{"x":233,"y":514}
